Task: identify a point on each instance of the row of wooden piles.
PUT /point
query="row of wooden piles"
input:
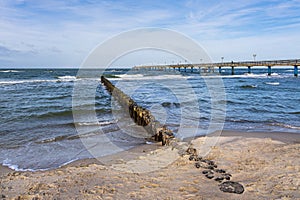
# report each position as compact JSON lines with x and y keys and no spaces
{"x":141,"y":116}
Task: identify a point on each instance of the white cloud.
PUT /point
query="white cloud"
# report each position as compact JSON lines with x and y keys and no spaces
{"x":61,"y":33}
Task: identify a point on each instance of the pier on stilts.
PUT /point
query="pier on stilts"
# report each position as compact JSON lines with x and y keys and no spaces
{"x":210,"y":67}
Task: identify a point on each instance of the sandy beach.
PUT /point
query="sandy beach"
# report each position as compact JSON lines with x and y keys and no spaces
{"x":266,"y":164}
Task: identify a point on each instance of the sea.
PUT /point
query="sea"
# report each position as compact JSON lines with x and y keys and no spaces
{"x":38,"y":130}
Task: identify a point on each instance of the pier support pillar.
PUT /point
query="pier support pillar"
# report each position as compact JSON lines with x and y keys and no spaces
{"x":184,"y":69}
{"x":192,"y":69}
{"x":269,"y":71}
{"x":232,"y":70}
{"x":220,"y":70}
{"x":249,"y":70}
{"x":296,"y":70}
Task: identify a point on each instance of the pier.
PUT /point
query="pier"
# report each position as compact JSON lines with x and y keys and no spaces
{"x":210,"y":67}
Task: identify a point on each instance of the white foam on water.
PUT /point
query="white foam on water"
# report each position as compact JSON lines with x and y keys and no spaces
{"x":60,"y":79}
{"x":9,"y":71}
{"x":128,"y":76}
{"x":96,"y":123}
{"x":24,"y":81}
{"x":6,"y":163}
{"x":286,"y":126}
{"x":67,"y":77}
{"x":272,"y":83}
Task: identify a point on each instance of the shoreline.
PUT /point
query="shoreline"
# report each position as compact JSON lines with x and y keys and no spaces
{"x":286,"y":137}
{"x":265,"y":163}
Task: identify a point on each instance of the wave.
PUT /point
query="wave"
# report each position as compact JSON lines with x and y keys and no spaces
{"x":32,"y":81}
{"x":9,"y":71}
{"x":69,"y":112}
{"x":128,"y":76}
{"x":54,"y":114}
{"x":244,"y":120}
{"x":73,"y":137}
{"x":272,"y":83}
{"x":54,"y":139}
{"x":58,"y":97}
{"x":24,"y":81}
{"x":59,"y":79}
{"x":67,"y":78}
{"x":285,"y":126}
{"x":104,"y":123}
{"x":7,"y":163}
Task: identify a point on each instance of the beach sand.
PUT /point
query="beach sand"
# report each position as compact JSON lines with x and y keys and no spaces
{"x":266,"y":164}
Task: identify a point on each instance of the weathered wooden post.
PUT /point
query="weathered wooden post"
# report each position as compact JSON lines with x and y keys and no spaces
{"x":249,"y":69}
{"x":269,"y":71}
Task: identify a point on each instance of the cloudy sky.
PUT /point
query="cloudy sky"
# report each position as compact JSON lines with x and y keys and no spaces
{"x":56,"y":33}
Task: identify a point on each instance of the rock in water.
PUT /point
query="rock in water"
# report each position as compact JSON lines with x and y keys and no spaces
{"x":231,"y":187}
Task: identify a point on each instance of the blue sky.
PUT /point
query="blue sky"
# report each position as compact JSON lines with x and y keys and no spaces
{"x":55,"y":33}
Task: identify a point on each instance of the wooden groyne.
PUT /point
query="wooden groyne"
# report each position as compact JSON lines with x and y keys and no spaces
{"x":141,"y":116}
{"x":161,"y":133}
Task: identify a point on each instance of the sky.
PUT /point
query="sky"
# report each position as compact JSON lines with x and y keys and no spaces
{"x":56,"y":33}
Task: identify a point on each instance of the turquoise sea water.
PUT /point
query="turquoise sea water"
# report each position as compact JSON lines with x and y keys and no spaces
{"x":38,"y":130}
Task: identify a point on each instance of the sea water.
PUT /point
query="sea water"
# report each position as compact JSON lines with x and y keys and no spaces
{"x":38,"y":131}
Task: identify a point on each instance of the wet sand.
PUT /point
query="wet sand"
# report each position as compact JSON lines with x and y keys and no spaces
{"x":266,"y":164}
